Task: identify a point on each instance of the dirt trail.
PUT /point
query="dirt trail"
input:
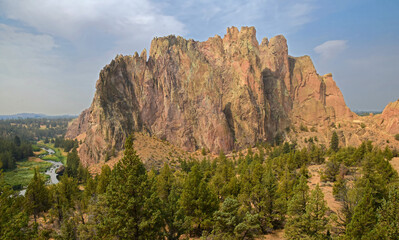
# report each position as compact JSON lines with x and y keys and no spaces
{"x":327,"y":188}
{"x":276,"y":235}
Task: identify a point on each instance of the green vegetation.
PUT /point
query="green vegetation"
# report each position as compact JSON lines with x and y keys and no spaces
{"x":13,"y":150}
{"x":24,"y":172}
{"x":397,"y":137}
{"x":34,"y":130}
{"x":58,"y":156}
{"x":221,"y":198}
{"x":334,"y":144}
{"x":304,"y":128}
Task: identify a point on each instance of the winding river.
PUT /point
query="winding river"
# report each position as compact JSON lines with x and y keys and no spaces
{"x":51,"y":171}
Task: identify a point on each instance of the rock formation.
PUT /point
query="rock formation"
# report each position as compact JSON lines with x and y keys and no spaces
{"x":221,"y":94}
{"x":390,"y":118}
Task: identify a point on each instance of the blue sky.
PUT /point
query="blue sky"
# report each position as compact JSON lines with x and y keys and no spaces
{"x":52,"y":51}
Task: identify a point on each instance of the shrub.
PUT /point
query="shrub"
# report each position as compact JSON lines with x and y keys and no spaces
{"x":362,"y":125}
{"x":397,"y":136}
{"x":303,"y":128}
{"x":203,"y":151}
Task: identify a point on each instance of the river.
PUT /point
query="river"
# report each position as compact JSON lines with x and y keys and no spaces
{"x":51,"y":171}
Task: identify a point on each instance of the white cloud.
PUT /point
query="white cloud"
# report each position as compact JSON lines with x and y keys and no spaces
{"x":24,"y":54}
{"x":124,"y":21}
{"x":60,"y":46}
{"x":330,"y":49}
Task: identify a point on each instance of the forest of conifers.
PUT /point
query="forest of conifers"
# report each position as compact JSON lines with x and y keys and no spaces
{"x":240,"y":197}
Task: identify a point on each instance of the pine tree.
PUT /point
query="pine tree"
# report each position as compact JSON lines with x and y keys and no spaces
{"x":334,"y":144}
{"x":13,"y":220}
{"x":128,"y":199}
{"x":73,"y":162}
{"x":169,"y":194}
{"x":37,"y":195}
{"x":248,"y":228}
{"x":387,"y":226}
{"x":297,"y":226}
{"x":198,"y":201}
{"x":224,"y":177}
{"x":316,"y":209}
{"x":17,"y":141}
{"x":64,"y":196}
{"x":230,"y":223}
{"x":227,"y":219}
{"x":364,"y":216}
{"x":284,"y":192}
{"x":103,"y":179}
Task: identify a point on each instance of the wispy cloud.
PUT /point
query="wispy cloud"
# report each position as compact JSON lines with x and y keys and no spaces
{"x":82,"y":22}
{"x":330,"y":49}
{"x":58,"y":47}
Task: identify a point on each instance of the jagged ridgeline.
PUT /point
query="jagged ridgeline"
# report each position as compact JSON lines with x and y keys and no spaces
{"x":221,"y":94}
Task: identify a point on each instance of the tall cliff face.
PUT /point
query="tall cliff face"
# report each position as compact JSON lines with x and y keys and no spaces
{"x":221,"y":94}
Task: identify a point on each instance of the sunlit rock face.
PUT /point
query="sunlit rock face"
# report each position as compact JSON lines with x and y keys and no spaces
{"x":389,"y":118}
{"x":222,"y":94}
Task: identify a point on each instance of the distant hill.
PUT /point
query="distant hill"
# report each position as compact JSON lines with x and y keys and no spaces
{"x":33,"y":115}
{"x":366,"y":113}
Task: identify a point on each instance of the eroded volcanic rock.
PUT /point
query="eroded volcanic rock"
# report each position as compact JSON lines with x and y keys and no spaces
{"x":221,"y":94}
{"x":390,"y":118}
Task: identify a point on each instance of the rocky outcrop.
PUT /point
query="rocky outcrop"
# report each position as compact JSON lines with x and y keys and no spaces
{"x":79,"y":125}
{"x":316,"y":99}
{"x":389,"y":118}
{"x":221,"y":94}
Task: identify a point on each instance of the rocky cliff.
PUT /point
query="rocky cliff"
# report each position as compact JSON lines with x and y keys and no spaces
{"x":389,"y":118}
{"x":221,"y":94}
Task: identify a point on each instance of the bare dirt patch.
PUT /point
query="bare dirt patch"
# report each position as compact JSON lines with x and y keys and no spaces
{"x":327,"y":188}
{"x":276,"y":235}
{"x":35,"y":159}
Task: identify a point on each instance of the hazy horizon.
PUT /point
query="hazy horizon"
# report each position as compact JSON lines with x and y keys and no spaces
{"x":52,"y":52}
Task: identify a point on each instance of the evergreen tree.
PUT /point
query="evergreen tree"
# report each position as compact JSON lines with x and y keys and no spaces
{"x":128,"y":213}
{"x":169,"y":194}
{"x":316,"y":214}
{"x":387,"y":226}
{"x":224,"y":178}
{"x":334,"y":144}
{"x":284,"y":192}
{"x":64,"y":196}
{"x":297,"y":226}
{"x":198,"y":201}
{"x":13,"y":220}
{"x":231,"y":224}
{"x":37,"y":195}
{"x":73,"y":162}
{"x":364,"y":216}
{"x":17,"y":141}
{"x":103,"y":179}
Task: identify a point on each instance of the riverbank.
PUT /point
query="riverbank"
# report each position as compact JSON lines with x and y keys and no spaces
{"x":56,"y":154}
{"x":20,"y":177}
{"x":23,"y":174}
